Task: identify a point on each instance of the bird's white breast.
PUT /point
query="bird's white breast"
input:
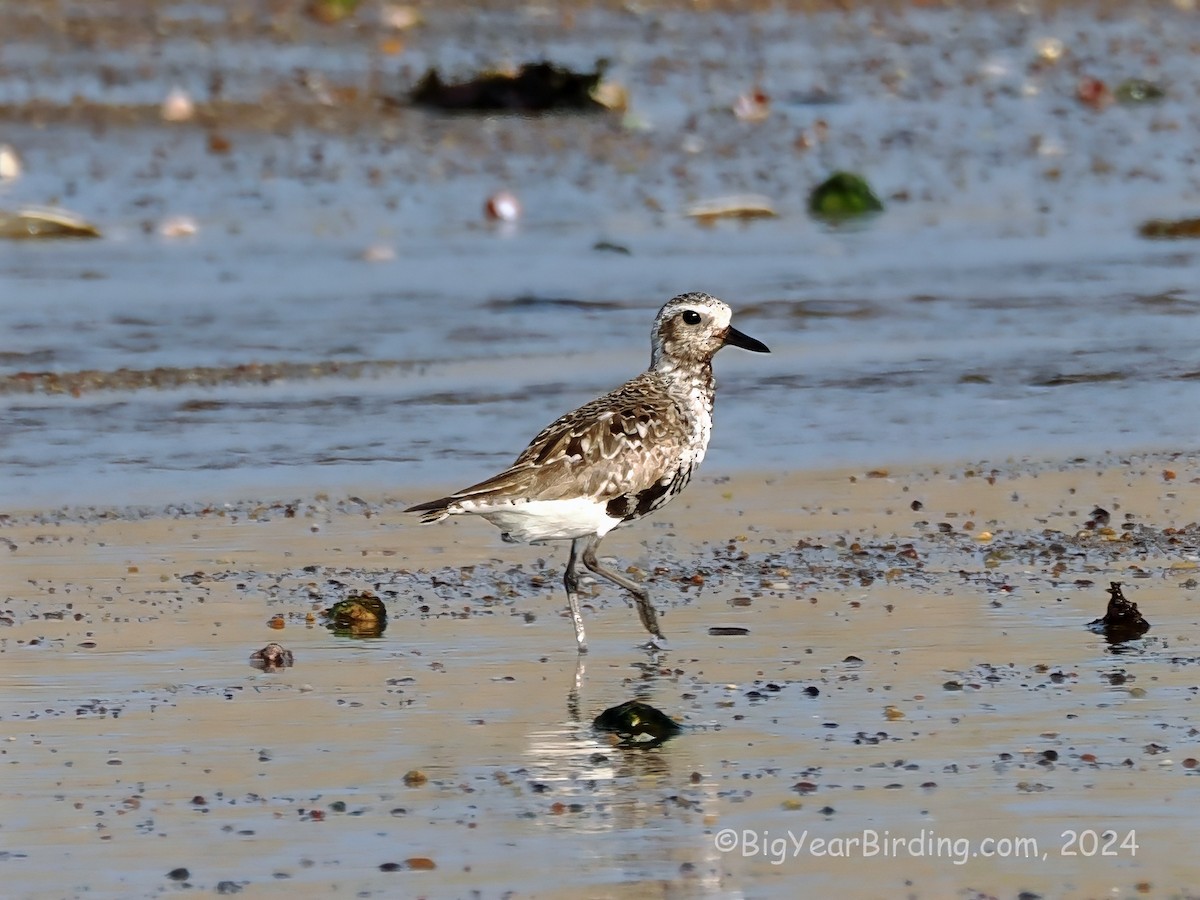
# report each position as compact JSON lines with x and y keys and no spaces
{"x":547,"y":520}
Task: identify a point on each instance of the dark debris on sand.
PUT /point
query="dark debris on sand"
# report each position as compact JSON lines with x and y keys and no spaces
{"x":535,"y":88}
{"x":637,"y":723}
{"x":1122,"y":621}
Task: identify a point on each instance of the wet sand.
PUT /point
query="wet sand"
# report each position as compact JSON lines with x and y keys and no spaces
{"x":910,"y":674}
{"x":917,"y":708}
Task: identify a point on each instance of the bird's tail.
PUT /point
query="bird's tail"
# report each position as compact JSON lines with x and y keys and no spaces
{"x":433,"y":510}
{"x":514,"y":481}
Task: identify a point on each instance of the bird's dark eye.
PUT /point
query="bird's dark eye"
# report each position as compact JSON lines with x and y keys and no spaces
{"x":691,"y":317}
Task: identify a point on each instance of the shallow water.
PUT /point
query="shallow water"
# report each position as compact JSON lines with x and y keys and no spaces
{"x":1003,"y":303}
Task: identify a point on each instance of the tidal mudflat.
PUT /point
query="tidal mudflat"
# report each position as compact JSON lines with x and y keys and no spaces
{"x":916,"y":705}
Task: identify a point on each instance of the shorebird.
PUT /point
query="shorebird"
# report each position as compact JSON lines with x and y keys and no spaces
{"x":616,"y":459}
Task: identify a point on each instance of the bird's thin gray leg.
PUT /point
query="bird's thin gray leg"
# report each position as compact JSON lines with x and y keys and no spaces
{"x":571,"y":582}
{"x":640,"y":595}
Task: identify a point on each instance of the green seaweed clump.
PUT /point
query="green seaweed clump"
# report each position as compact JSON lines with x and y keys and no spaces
{"x":362,"y":614}
{"x":843,"y":195}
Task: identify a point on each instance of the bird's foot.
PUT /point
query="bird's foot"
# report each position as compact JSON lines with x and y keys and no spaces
{"x":656,"y":644}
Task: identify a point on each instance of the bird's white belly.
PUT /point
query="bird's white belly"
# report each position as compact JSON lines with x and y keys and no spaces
{"x":548,"y":520}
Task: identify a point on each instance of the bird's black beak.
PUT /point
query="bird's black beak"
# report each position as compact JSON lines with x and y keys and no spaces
{"x":737,"y":339}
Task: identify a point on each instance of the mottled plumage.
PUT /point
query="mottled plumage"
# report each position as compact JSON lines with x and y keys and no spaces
{"x":615,"y":459}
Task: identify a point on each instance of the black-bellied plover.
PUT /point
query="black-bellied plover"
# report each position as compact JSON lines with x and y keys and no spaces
{"x":616,"y":459}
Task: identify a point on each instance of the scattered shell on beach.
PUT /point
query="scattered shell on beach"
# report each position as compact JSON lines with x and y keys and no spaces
{"x":10,"y":163}
{"x":41,"y":223}
{"x":177,"y":106}
{"x":738,"y":206}
{"x":399,"y":17}
{"x":178,"y":227}
{"x":503,"y":206}
{"x":752,"y":106}
{"x":378,"y":253}
{"x":272,"y":657}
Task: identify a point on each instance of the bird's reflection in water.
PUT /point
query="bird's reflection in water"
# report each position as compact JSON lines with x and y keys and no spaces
{"x":644,"y":795}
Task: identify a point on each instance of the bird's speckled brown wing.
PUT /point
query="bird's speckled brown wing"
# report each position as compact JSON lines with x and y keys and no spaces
{"x":622,"y":443}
